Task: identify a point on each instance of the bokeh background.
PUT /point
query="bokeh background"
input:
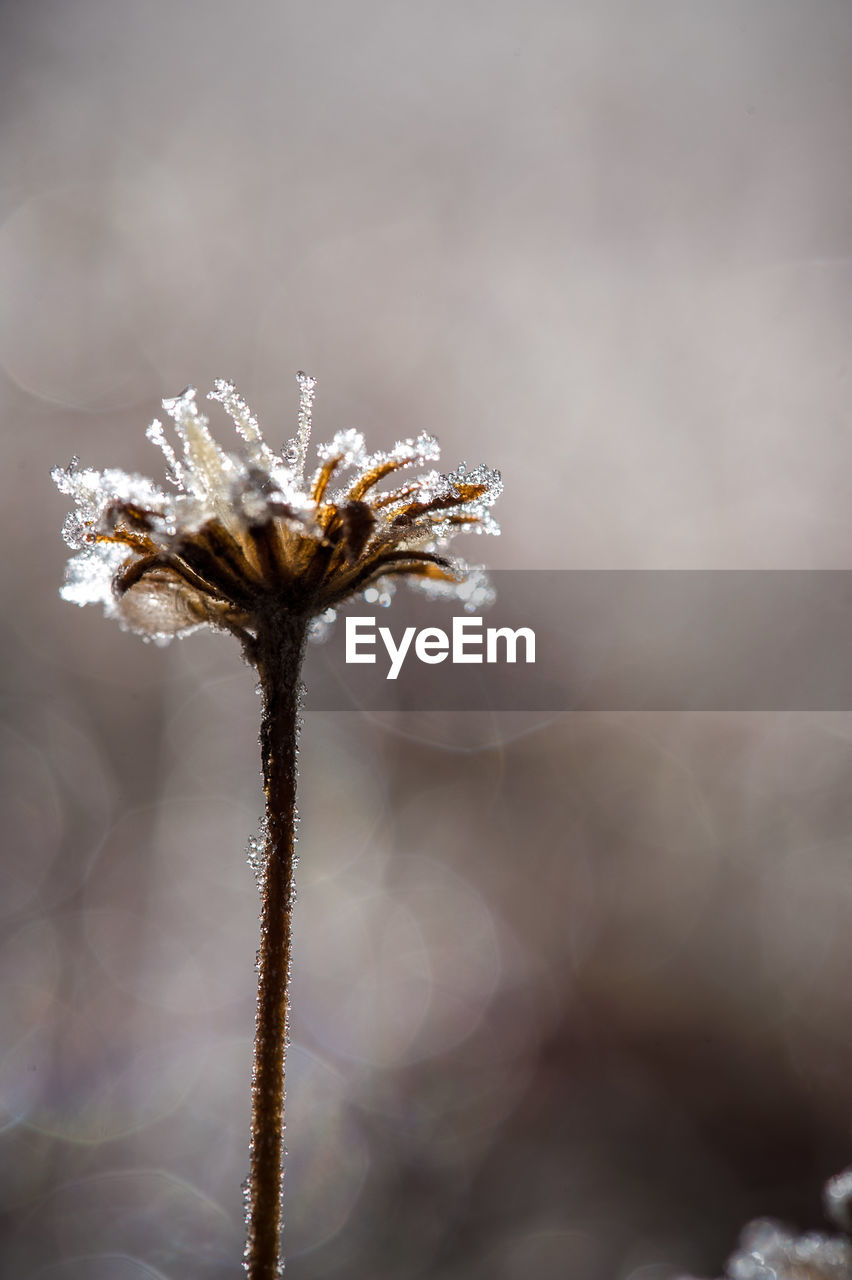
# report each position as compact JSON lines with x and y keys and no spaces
{"x":571,"y":997}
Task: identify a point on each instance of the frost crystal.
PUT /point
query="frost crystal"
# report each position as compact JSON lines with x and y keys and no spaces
{"x":258,"y":851}
{"x":238,"y":533}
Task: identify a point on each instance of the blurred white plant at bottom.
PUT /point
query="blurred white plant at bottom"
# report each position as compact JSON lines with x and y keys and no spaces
{"x":769,"y":1251}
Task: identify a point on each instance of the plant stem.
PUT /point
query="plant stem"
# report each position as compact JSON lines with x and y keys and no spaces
{"x":279,"y":651}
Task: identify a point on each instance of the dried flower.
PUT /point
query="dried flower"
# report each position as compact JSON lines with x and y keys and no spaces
{"x":243,"y":532}
{"x":246,"y":544}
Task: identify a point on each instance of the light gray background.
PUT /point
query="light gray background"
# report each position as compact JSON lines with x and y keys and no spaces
{"x":571,"y":1004}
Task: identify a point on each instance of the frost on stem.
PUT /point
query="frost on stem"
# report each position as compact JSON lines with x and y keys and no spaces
{"x":237,"y":533}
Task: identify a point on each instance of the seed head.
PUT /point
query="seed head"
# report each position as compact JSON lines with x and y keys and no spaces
{"x":243,"y":534}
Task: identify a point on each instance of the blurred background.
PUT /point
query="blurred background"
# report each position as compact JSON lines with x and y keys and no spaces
{"x":571,"y":996}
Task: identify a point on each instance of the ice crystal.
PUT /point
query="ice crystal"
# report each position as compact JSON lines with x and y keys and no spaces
{"x":237,"y":533}
{"x":257,"y":852}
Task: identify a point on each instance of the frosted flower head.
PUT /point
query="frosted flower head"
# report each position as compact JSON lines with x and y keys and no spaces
{"x":242,"y":534}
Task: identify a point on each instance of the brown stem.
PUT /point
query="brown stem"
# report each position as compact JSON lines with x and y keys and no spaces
{"x":279,"y":652}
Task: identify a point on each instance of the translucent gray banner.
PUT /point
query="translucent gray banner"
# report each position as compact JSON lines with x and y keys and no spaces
{"x":603,"y":641}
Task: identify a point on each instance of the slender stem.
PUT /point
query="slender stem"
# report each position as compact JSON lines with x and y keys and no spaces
{"x":279,"y":652}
